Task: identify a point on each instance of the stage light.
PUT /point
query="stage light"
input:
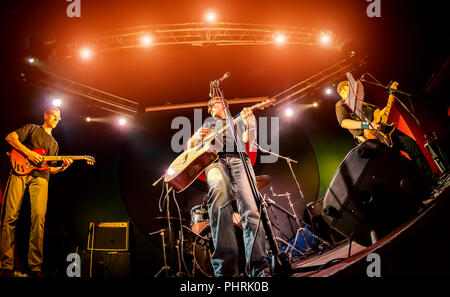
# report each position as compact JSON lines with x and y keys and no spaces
{"x":88,"y":119}
{"x":328,"y":91}
{"x":170,"y":171}
{"x":289,"y":112}
{"x":85,"y":53}
{"x":315,"y":104}
{"x":280,"y":38}
{"x":210,"y":17}
{"x":122,"y":121}
{"x":57,"y":102}
{"x":325,"y":38}
{"x":32,"y":60}
{"x":146,"y":40}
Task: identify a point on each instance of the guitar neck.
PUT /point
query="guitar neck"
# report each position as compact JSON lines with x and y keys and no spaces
{"x":387,"y":109}
{"x":62,"y":158}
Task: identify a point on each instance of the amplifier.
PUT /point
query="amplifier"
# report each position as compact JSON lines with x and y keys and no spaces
{"x":105,"y":264}
{"x":108,"y":236}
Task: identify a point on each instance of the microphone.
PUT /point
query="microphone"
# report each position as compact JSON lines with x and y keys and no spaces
{"x":225,"y":76}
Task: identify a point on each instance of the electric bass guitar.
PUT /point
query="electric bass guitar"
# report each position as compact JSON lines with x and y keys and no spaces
{"x":183,"y":171}
{"x":22,"y":166}
{"x":381,"y":117}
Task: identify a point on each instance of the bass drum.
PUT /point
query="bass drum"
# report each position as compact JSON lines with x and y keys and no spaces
{"x":204,"y":248}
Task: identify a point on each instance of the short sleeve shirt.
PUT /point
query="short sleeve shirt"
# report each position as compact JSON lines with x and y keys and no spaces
{"x":343,"y":112}
{"x":33,"y":137}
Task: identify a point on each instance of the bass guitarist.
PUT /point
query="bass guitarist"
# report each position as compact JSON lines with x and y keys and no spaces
{"x":24,"y":140}
{"x":225,"y":175}
{"x":356,"y":126}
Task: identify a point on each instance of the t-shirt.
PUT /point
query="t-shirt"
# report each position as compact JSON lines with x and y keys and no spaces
{"x":33,"y":137}
{"x":343,"y":112}
{"x":229,"y":148}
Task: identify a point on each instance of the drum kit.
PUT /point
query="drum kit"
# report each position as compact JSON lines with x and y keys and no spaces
{"x":198,"y":247}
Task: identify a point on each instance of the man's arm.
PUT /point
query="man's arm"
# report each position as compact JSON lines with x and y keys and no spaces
{"x":197,"y":137}
{"x":13,"y":139}
{"x":63,"y":167}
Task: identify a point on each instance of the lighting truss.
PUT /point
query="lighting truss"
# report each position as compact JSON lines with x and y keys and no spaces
{"x":82,"y":92}
{"x":199,"y":34}
{"x":330,"y":73}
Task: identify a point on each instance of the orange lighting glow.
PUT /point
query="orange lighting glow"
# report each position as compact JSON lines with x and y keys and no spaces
{"x":85,"y":53}
{"x":325,"y":38}
{"x":210,"y":16}
{"x":146,"y":40}
{"x":280,"y":38}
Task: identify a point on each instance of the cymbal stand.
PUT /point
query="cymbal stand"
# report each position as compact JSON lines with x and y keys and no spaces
{"x":300,"y":229}
{"x":300,"y":222}
{"x":166,"y":268}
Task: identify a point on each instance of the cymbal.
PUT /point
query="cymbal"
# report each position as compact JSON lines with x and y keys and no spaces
{"x":171,"y":218}
{"x":262,"y":181}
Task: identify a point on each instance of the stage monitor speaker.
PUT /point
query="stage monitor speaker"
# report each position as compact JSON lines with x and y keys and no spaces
{"x":105,"y":264}
{"x":108,"y":236}
{"x":374,"y":189}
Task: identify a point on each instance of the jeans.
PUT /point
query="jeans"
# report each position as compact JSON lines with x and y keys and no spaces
{"x":225,"y":176}
{"x":38,"y":188}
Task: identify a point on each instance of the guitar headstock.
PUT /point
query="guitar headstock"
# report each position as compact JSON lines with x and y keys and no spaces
{"x":393,"y":85}
{"x":264,"y":104}
{"x":89,"y":160}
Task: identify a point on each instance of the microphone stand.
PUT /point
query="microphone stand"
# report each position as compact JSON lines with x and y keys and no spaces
{"x":280,"y":265}
{"x":431,"y":142}
{"x":299,"y":221}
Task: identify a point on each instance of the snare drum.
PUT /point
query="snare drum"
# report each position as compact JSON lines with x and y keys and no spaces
{"x":199,"y":218}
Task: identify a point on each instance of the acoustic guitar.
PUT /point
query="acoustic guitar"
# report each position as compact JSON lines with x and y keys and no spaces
{"x":183,"y":171}
{"x":22,"y":166}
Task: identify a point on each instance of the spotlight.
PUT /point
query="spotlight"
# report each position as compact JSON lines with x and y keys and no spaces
{"x":85,"y":53}
{"x":122,"y":121}
{"x":315,"y":104}
{"x":210,"y":17}
{"x":88,"y":119}
{"x":146,"y":40}
{"x":280,"y":38}
{"x":325,"y":38}
{"x":31,"y":60}
{"x":328,"y":91}
{"x":170,"y":171}
{"x":289,"y":112}
{"x":57,"y":102}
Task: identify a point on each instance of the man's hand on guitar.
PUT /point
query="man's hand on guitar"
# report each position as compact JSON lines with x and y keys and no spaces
{"x":375,"y":126}
{"x":202,"y":132}
{"x":66,"y":164}
{"x":248,"y":117}
{"x":34,"y":157}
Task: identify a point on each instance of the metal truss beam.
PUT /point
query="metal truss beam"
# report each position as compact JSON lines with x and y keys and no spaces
{"x":81,"y":92}
{"x":330,"y":73}
{"x":199,"y":34}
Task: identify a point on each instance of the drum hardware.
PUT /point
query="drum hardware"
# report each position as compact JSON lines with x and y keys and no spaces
{"x":166,"y":268}
{"x":301,"y":224}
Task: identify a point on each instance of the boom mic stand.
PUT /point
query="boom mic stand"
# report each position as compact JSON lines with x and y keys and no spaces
{"x":300,"y":223}
{"x":436,"y":152}
{"x":280,"y":265}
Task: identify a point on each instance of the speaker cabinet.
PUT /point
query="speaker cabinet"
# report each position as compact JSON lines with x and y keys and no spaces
{"x":374,"y":189}
{"x":105,"y":264}
{"x":108,"y":236}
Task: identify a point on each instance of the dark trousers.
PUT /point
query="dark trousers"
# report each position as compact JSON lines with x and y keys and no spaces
{"x":405,"y":143}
